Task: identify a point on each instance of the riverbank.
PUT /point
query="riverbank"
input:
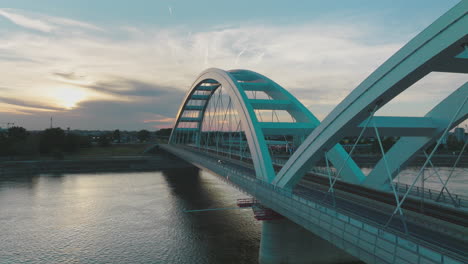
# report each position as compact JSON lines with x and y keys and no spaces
{"x":159,"y":160}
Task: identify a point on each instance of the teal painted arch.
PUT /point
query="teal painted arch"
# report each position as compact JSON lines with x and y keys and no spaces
{"x":436,"y":49}
{"x":337,"y":155}
{"x":449,"y":113}
{"x":255,"y":139}
{"x":237,"y":82}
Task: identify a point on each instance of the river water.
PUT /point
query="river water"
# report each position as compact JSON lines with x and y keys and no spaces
{"x":132,"y":218}
{"x":124,"y":218}
{"x":456,"y":179}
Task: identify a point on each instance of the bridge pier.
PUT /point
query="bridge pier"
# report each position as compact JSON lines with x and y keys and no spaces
{"x":285,"y":242}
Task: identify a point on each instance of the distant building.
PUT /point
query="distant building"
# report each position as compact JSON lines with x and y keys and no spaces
{"x":459,"y":134}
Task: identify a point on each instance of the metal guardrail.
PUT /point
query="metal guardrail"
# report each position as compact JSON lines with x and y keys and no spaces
{"x":417,"y":192}
{"x":249,"y":184}
{"x":433,"y":195}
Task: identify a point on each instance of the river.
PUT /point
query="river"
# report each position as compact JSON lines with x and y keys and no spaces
{"x":124,"y":218}
{"x":132,"y":218}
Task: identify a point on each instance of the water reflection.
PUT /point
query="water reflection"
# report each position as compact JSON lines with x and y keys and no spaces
{"x":19,"y":181}
{"x":235,"y":232}
{"x":123,"y":218}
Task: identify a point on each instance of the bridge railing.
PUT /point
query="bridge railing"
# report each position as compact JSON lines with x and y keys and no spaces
{"x":417,"y":191}
{"x":422,"y":193}
{"x":290,"y":200}
{"x":327,"y":221}
{"x":248,"y":182}
{"x":433,"y":195}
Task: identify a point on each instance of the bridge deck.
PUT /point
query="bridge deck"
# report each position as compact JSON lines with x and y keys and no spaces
{"x":367,"y":205}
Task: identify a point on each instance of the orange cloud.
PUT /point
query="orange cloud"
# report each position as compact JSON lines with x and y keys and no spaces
{"x":163,"y":120}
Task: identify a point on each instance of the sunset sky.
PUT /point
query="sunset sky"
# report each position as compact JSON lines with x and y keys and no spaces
{"x":127,"y":64}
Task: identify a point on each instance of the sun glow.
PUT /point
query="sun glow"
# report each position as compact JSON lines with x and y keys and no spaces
{"x":69,"y":97}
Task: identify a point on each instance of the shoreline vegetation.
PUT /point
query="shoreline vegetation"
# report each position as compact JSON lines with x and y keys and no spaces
{"x":95,"y":152}
{"x":58,"y":150}
{"x":97,"y":164}
{"x":16,"y":143}
{"x":113,"y":158}
{"x":55,"y":150}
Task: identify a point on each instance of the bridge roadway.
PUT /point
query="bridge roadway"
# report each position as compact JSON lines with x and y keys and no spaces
{"x":320,"y":174}
{"x":314,"y":181}
{"x":315,"y":187}
{"x":438,"y":231}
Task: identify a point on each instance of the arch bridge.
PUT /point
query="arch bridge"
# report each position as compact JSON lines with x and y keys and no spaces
{"x":249,"y":130}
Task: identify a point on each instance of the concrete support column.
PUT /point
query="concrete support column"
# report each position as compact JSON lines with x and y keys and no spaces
{"x":284,"y":242}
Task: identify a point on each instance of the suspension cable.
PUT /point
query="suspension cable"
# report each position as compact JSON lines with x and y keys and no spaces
{"x":354,"y":146}
{"x":390,"y":179}
{"x":451,"y":171}
{"x":439,"y":177}
{"x":439,"y":141}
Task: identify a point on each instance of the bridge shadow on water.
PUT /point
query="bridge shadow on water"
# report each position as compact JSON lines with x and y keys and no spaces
{"x":226,"y":236}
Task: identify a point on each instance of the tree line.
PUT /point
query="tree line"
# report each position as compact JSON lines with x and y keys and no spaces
{"x":372,"y":145}
{"x":17,"y":141}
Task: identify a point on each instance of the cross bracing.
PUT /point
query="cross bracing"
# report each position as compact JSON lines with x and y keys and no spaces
{"x":435,"y":49}
{"x":243,"y":111}
{"x":242,"y":119}
{"x":248,"y":113}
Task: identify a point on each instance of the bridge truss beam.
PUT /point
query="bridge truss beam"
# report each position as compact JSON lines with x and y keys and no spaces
{"x":444,"y":114}
{"x":237,"y":83}
{"x":437,"y":48}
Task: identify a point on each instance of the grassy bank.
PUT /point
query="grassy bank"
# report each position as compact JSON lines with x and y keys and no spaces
{"x":117,"y":158}
{"x":112,"y":150}
{"x":115,"y":150}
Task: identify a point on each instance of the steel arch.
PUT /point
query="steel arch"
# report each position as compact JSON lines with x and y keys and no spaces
{"x":444,"y":114}
{"x":237,"y":82}
{"x":437,"y":48}
{"x":261,"y":159}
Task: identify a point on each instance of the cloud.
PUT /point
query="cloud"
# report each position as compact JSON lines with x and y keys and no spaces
{"x":104,"y":115}
{"x":26,"y":22}
{"x":71,"y":23}
{"x":67,"y":76}
{"x":129,"y":87}
{"x":136,"y":74}
{"x":162,"y":121}
{"x":13,"y":57}
{"x":43,"y":23}
{"x":29,"y":104}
